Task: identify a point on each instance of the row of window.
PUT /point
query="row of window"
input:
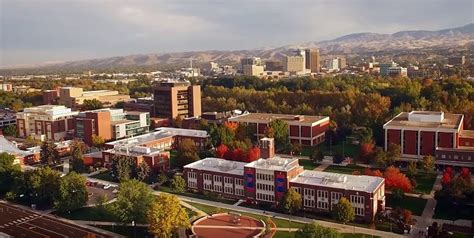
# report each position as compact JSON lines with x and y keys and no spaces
{"x":267,"y":177}
{"x":265,"y":187}
{"x":321,"y":201}
{"x":265,"y":197}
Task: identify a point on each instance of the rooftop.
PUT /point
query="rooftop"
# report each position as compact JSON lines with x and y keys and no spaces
{"x":11,"y":148}
{"x":467,"y":133}
{"x":268,"y":117}
{"x":184,"y":132}
{"x":275,"y":163}
{"x":218,"y":165}
{"x":361,"y":183}
{"x":426,"y":119}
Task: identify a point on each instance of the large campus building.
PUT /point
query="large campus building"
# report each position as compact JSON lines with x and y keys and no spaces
{"x":47,"y":122}
{"x":421,"y":133}
{"x":306,"y":130}
{"x":110,"y":124}
{"x":177,"y":98}
{"x":74,"y":97}
{"x":267,"y":179}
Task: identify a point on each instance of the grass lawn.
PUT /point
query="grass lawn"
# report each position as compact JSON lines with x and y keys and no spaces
{"x":91,"y":214}
{"x":447,"y":212}
{"x":196,"y":195}
{"x":308,"y":164}
{"x":424,"y":182}
{"x":286,"y":234}
{"x":278,"y":222}
{"x":344,"y":169}
{"x":105,"y":175}
{"x":461,"y":235}
{"x":414,"y":204}
{"x":127,"y":231}
{"x":348,"y":149}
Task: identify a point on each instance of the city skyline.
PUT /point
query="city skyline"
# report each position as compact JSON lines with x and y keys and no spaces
{"x":41,"y":31}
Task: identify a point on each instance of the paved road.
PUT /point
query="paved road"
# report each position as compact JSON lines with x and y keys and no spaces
{"x":20,"y":222}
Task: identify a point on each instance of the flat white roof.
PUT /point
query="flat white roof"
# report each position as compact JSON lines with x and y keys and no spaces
{"x":218,"y":165}
{"x":361,"y":183}
{"x":275,"y":163}
{"x":184,"y":132}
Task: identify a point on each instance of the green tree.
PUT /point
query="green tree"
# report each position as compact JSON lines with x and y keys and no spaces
{"x":428,"y":163}
{"x":40,"y":186}
{"x":296,"y":148}
{"x":49,"y":154}
{"x":121,"y":167}
{"x":316,"y":156}
{"x":92,"y":104}
{"x":72,"y":193}
{"x":343,"y":211}
{"x":280,"y":132}
{"x":97,"y":141}
{"x":314,"y":230}
{"x":166,"y":216}
{"x":178,"y":184}
{"x":187,"y":153}
{"x":9,"y":172}
{"x":291,"y":202}
{"x":143,"y":171}
{"x":10,"y":130}
{"x":134,"y":199}
{"x":393,"y":153}
{"x":412,"y":169}
{"x":77,"y":161}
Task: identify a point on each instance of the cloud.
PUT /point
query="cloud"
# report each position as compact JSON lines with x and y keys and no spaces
{"x":45,"y":30}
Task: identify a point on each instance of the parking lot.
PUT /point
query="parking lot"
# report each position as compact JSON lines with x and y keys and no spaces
{"x":96,"y":190}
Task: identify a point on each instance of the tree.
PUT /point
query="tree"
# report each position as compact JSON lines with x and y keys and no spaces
{"x":77,"y":161}
{"x":72,"y":193}
{"x":313,"y":230}
{"x":221,"y":150}
{"x":291,"y":201}
{"x":343,"y":211}
{"x":316,"y":156}
{"x":121,"y":167}
{"x":177,"y":122}
{"x":142,"y":171}
{"x":49,"y":155}
{"x":380,"y":157}
{"x":98,"y":141}
{"x":166,"y":216}
{"x":31,"y":142}
{"x":92,"y":104}
{"x":40,"y":186}
{"x":280,"y":132}
{"x":412,"y":169}
{"x":187,"y":153}
{"x":296,"y":148}
{"x":428,"y":163}
{"x":178,"y":184}
{"x":10,"y":130}
{"x":395,"y":179}
{"x":393,"y":153}
{"x":253,"y":154}
{"x":9,"y":172}
{"x":134,"y":199}
{"x":366,"y":151}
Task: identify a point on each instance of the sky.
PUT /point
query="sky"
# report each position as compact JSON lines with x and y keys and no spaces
{"x":38,"y":31}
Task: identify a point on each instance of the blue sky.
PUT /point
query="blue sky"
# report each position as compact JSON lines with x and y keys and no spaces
{"x":33,"y":31}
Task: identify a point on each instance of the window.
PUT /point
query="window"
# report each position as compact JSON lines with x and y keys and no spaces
{"x":358,"y":202}
{"x":308,"y":198}
{"x":297,"y":189}
{"x":323,"y":199}
{"x":217,"y":183}
{"x":207,"y":181}
{"x":228,"y":185}
{"x":335,"y":197}
{"x":359,"y":211}
{"x":192,"y":180}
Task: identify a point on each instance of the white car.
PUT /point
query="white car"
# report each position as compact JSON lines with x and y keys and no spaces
{"x":107,"y":186}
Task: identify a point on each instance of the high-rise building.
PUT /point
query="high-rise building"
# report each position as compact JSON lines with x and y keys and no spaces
{"x":47,"y":122}
{"x":175,"y":98}
{"x":312,"y":60}
{"x":252,"y":66}
{"x":294,"y":64}
{"x":342,"y":62}
{"x":273,"y":65}
{"x":392,"y":69}
{"x":333,"y":64}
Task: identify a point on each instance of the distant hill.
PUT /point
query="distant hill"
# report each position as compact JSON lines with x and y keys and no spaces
{"x":358,"y":43}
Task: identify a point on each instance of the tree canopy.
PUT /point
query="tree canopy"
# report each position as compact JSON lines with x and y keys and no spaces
{"x":166,"y":215}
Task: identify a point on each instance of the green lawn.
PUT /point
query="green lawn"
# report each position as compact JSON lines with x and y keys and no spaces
{"x":461,"y":235}
{"x":308,"y":164}
{"x":127,"y":231}
{"x":349,"y":169}
{"x":447,"y":212}
{"x":347,"y":149}
{"x":424,"y":182}
{"x":105,"y":175}
{"x":286,"y":234}
{"x":278,"y":222}
{"x":91,"y":214}
{"x":414,"y":204}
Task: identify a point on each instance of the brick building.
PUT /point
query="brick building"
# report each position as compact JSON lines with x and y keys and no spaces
{"x":177,"y":98}
{"x":306,"y":130}
{"x":47,"y":122}
{"x":267,"y":180}
{"x":421,"y":133}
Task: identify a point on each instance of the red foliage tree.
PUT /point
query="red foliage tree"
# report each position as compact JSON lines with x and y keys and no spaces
{"x":253,"y":154}
{"x":446,"y":179}
{"x":235,"y":155}
{"x":366,"y":150}
{"x":221,"y":150}
{"x":465,"y":174}
{"x":395,"y":179}
{"x":232,"y":126}
{"x":376,"y":172}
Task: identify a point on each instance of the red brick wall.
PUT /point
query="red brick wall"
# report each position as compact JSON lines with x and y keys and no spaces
{"x":427,"y":143}
{"x":393,"y":136}
{"x":318,"y":129}
{"x":294,"y":131}
{"x":445,"y":140}
{"x":306,"y":131}
{"x":466,"y":141}
{"x":410,"y":142}
{"x":262,"y":128}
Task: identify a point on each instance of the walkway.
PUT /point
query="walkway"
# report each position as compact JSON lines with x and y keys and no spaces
{"x":322,"y":167}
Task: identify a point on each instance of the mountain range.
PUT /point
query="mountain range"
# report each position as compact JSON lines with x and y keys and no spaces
{"x":352,"y":44}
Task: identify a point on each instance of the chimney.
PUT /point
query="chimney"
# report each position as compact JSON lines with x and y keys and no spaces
{"x":267,"y":148}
